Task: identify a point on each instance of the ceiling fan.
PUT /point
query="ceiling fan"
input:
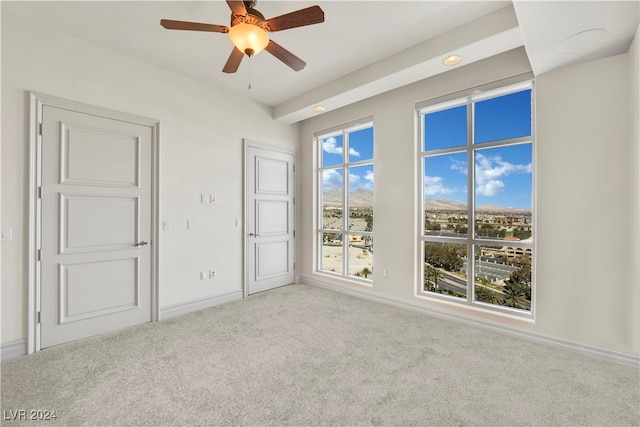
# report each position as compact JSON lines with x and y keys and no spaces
{"x":248,"y":32}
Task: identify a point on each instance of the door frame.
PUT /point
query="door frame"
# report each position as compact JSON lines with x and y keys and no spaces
{"x":245,"y":191}
{"x":37,"y":101}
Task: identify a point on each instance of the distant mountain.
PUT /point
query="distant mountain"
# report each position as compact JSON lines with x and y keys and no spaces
{"x":444,"y":205}
{"x":361,"y":198}
{"x":498,"y":208}
{"x":490,"y":207}
{"x":455,"y":205}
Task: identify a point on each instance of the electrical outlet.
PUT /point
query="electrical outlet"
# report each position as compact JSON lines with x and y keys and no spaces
{"x":212,"y":274}
{"x":204,"y":275}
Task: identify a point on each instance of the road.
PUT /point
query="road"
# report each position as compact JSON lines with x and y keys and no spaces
{"x":489,"y":270}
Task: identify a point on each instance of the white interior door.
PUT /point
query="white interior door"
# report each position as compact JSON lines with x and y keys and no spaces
{"x":96,"y":212}
{"x":270,"y":218}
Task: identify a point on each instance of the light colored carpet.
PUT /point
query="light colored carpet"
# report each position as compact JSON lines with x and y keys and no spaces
{"x":301,"y":355}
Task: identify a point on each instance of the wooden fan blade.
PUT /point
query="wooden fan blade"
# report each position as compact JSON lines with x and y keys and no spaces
{"x":237,"y":7}
{"x":234,"y":61}
{"x":285,"y":56}
{"x":192,"y":26}
{"x":300,"y":18}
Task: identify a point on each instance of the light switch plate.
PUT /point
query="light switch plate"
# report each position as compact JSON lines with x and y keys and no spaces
{"x":6,"y":233}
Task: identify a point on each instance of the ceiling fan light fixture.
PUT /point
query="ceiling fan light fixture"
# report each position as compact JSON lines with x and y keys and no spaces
{"x":319,"y":108}
{"x":248,"y":38}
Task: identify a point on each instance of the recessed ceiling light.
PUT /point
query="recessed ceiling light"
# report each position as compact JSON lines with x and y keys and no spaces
{"x":582,"y":40}
{"x":319,"y":108}
{"x":452,"y":60}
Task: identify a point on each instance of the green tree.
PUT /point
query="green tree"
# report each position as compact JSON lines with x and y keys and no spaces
{"x":487,"y":295}
{"x":451,"y":257}
{"x":514,"y":297}
{"x":369,"y":219}
{"x":365,"y":272}
{"x":517,"y":289}
{"x":461,"y":229}
{"x":428,"y":273}
{"x":431,"y":277}
{"x":522,"y":233}
{"x":447,"y":257}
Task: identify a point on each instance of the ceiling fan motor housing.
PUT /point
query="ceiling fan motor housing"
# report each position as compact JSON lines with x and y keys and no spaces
{"x":253,"y":17}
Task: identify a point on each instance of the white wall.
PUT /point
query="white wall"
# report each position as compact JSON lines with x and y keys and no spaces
{"x":634,"y":197}
{"x":585,"y":197}
{"x":201,"y":132}
{"x":584,"y":288}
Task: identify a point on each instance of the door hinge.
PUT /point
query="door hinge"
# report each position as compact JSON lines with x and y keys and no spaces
{"x":294,"y":233}
{"x":39,"y":192}
{"x":39,"y":255}
{"x":38,"y":317}
{"x":294,"y":168}
{"x":40,"y":129}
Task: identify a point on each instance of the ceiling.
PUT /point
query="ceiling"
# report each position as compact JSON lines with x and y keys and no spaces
{"x":363,"y":48}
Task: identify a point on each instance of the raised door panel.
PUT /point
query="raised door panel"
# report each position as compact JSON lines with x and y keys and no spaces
{"x":95,"y":288}
{"x":86,"y":222}
{"x":272,"y":218}
{"x":98,"y":156}
{"x":272,"y":259}
{"x":272,"y":177}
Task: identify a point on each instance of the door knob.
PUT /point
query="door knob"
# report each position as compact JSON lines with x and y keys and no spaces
{"x":254,"y":235}
{"x":140,"y":243}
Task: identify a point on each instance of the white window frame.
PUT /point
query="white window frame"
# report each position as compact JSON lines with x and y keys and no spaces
{"x":469,"y":97}
{"x":343,"y":130}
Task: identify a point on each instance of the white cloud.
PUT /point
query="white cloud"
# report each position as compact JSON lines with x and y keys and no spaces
{"x":433,"y":186}
{"x":369,"y":176}
{"x":357,"y":181}
{"x":330,"y":145}
{"x":490,"y":188}
{"x":458,"y":165}
{"x":490,"y":172}
{"x":331,"y":178}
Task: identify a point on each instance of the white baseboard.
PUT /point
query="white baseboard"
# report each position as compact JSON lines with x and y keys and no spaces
{"x":13,"y":349}
{"x":600,"y":353}
{"x":17,"y":348}
{"x":189,"y":306}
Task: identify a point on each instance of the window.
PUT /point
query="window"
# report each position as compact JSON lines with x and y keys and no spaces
{"x":345,"y":181}
{"x":476,"y":159}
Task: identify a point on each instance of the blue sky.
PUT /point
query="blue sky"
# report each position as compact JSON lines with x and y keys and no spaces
{"x":503,"y":174}
{"x":360,"y":149}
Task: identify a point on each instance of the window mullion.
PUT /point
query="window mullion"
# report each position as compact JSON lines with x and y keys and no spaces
{"x":471,"y":223}
{"x":345,"y":203}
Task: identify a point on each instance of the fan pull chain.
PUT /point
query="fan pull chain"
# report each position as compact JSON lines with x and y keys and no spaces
{"x":249,"y":88}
